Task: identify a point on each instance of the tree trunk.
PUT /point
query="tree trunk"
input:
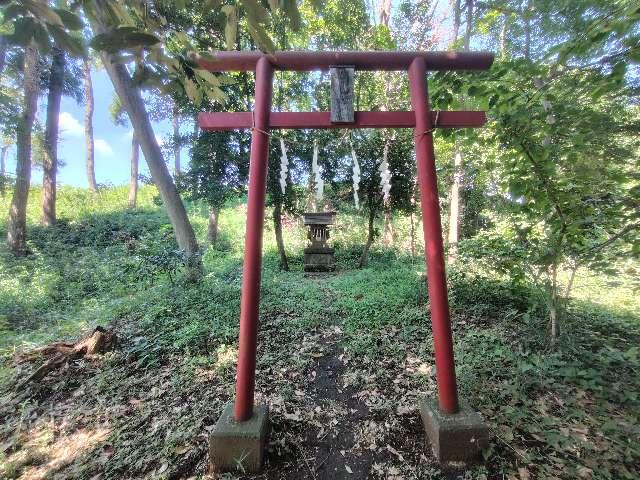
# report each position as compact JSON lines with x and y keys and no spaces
{"x":277,"y":228}
{"x":133,"y":178}
{"x":176,"y":142}
{"x":469,"y":29}
{"x":454,"y":207}
{"x":17,"y":224}
{"x":503,"y":37}
{"x":364,"y":258}
{"x":196,"y":129}
{"x":388,"y":228}
{"x":134,"y":106}
{"x":50,"y":165}
{"x":527,"y":31}
{"x":3,"y":168}
{"x":454,"y":194}
{"x":456,"y":21}
{"x":572,"y":278}
{"x":413,"y":235}
{"x":385,"y":12}
{"x":567,"y":292}
{"x":88,"y":126}
{"x":3,"y":53}
{"x":553,"y":304}
{"x":212,"y":227}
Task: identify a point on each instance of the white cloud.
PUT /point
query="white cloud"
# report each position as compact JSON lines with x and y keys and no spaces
{"x":68,"y":124}
{"x":160,"y":141}
{"x":103,"y":148}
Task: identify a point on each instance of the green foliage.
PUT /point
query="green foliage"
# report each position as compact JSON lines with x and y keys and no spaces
{"x":158,"y":33}
{"x":554,"y":410}
{"x":122,"y":38}
{"x":219,"y":168}
{"x":33,"y":21}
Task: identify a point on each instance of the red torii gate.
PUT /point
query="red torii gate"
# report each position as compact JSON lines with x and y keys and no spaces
{"x":244,"y":433}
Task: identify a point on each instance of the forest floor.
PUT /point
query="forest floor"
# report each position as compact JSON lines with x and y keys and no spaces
{"x":342,"y":359}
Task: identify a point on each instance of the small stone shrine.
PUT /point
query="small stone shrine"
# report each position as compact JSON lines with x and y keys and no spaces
{"x":318,"y":257}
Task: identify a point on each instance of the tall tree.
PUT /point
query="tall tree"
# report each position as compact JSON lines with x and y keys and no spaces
{"x":158,"y":29}
{"x":119,"y":117}
{"x":384,"y":12}
{"x":132,"y":102}
{"x":385,"y":17}
{"x":36,"y":27}
{"x":50,"y":164}
{"x":568,"y":192}
{"x":526,"y":16}
{"x":218,"y":171}
{"x":17,"y":225}
{"x":457,"y":19}
{"x":88,"y":126}
{"x":455,"y":204}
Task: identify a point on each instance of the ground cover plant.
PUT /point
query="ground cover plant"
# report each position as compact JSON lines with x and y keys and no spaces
{"x":342,"y":358}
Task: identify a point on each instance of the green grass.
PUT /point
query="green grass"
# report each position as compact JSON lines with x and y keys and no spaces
{"x":567,"y":410}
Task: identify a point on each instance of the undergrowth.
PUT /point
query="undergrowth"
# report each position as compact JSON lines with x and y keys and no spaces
{"x":565,"y":410}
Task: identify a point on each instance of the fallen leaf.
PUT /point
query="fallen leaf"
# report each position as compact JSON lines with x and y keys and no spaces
{"x":405,"y":409}
{"x":293,"y":416}
{"x":524,"y":473}
{"x":183,"y":449}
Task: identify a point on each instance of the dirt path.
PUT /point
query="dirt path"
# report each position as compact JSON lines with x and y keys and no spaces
{"x":333,"y":432}
{"x":324,"y":443}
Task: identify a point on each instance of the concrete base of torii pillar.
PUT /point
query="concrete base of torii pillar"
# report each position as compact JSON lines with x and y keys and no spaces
{"x":239,"y":446}
{"x":454,"y":437}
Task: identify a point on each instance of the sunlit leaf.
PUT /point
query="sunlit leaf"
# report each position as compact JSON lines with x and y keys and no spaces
{"x":122,"y":38}
{"x":208,"y":77}
{"x":256,"y":12}
{"x":70,"y":20}
{"x":43,"y":12}
{"x":71,"y":44}
{"x":261,"y":37}
{"x":192,"y":91}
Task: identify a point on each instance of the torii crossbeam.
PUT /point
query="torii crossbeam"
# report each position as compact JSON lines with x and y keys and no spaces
{"x":249,"y":423}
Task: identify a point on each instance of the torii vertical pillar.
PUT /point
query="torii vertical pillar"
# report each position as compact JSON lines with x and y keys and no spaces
{"x":241,"y":432}
{"x":456,"y":432}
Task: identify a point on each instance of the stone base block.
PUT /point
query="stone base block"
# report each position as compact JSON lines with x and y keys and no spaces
{"x":319,"y":262}
{"x":458,"y":437}
{"x":239,"y":446}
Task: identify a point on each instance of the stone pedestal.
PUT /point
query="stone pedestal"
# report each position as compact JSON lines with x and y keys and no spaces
{"x":239,"y":446}
{"x":319,"y":259}
{"x":458,"y":437}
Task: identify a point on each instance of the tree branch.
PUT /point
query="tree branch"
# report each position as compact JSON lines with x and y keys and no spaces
{"x":613,"y":238}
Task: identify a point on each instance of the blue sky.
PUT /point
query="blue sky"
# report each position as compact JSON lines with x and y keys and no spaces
{"x":112,"y":142}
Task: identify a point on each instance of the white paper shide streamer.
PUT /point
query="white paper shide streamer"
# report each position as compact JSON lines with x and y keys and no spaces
{"x":284,"y":166}
{"x":317,"y":171}
{"x":385,"y":175}
{"x":356,"y":178}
